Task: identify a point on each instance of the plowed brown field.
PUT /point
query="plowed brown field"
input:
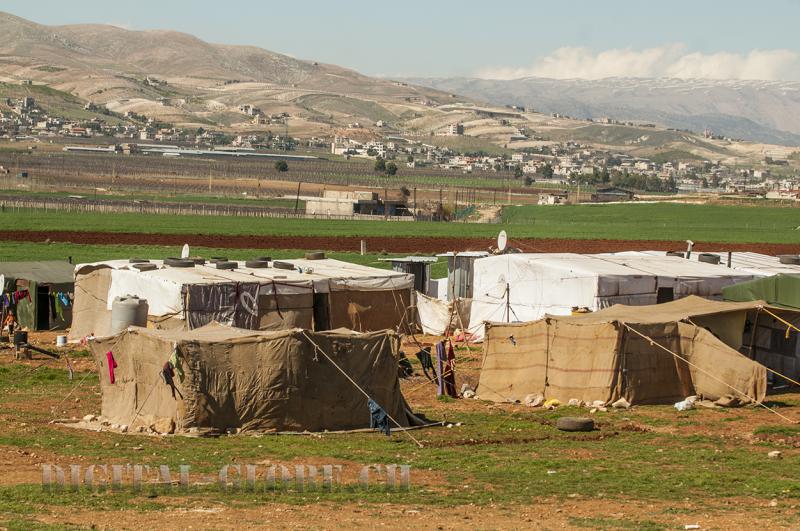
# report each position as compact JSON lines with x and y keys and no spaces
{"x":375,"y":244}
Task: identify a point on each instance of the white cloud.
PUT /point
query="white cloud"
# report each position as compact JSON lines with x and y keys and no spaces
{"x":672,"y":60}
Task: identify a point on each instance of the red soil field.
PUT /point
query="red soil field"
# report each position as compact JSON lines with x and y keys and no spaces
{"x":423,"y":245}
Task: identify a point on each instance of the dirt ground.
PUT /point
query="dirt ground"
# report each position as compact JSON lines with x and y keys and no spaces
{"x":22,"y":466}
{"x":548,"y":514}
{"x":392,"y":244}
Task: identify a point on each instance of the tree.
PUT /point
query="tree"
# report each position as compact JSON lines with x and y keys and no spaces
{"x":391,"y":168}
{"x":604,"y":176}
{"x":380,"y":164}
{"x":528,"y":180}
{"x":405,"y":191}
{"x":517,"y":172}
{"x":547,"y":171}
{"x":281,"y":165}
{"x":410,"y":158}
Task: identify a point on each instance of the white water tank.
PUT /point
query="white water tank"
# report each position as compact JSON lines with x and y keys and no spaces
{"x":127,"y":311}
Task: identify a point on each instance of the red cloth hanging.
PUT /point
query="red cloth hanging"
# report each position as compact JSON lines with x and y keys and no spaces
{"x":112,"y":364}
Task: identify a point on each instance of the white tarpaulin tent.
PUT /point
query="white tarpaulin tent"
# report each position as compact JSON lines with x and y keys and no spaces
{"x":323,"y":294}
{"x":746,"y":263}
{"x":525,"y":287}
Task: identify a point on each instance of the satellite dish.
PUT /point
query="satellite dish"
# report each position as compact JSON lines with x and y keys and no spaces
{"x":185,"y":251}
{"x":502,"y":240}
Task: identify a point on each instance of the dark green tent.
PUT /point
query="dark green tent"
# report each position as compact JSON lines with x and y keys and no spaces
{"x":778,"y":290}
{"x":43,"y":281}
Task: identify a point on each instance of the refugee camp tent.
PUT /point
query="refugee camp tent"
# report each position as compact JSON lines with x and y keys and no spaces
{"x":44,"y":293}
{"x":320,"y":294}
{"x":602,"y":356}
{"x":525,"y":287}
{"x":778,"y":290}
{"x":227,"y":378}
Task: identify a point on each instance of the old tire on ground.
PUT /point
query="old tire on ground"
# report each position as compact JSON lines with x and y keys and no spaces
{"x":215,"y":259}
{"x":792,"y":259}
{"x":145,"y":267}
{"x":138,"y":261}
{"x":256,"y":264}
{"x":283,"y":265}
{"x":676,"y":253}
{"x":575,"y":424}
{"x":197,"y":260}
{"x":708,"y":258}
{"x":179,"y":262}
{"x":318,"y":255}
{"x":226,"y":265}
{"x":263,"y":258}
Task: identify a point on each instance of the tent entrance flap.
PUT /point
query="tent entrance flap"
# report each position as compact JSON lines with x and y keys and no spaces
{"x":43,"y":307}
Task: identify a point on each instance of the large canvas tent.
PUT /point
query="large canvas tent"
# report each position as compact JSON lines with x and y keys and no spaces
{"x":600,"y":355}
{"x":313,"y":294}
{"x":778,"y":290}
{"x":249,"y":380}
{"x":525,"y":287}
{"x":50,"y":287}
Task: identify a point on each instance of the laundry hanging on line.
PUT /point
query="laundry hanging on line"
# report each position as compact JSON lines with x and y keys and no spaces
{"x":378,"y":418}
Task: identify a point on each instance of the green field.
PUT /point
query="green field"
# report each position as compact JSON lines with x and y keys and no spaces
{"x":232,"y":200}
{"x":662,"y":221}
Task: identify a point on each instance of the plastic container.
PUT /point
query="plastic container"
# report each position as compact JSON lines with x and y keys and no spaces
{"x":127,"y":311}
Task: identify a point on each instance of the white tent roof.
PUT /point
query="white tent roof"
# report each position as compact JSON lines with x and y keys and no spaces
{"x":743,"y":262}
{"x":525,"y":287}
{"x":162,"y":287}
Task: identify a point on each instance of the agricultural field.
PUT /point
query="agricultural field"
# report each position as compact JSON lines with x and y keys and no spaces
{"x":655,"y":222}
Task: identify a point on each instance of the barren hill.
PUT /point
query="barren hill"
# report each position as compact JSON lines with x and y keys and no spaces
{"x":108,"y":65}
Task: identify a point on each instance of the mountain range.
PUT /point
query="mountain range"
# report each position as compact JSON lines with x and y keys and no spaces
{"x":762,"y":111}
{"x":177,"y":78}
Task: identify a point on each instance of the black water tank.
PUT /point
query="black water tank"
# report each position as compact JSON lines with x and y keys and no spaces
{"x":20,"y":337}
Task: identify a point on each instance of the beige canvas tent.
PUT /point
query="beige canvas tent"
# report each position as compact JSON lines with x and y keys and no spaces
{"x":251,"y":380}
{"x":320,"y":294}
{"x":599,"y":356}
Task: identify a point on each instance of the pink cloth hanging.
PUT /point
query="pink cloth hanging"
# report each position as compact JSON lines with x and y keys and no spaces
{"x":112,"y":364}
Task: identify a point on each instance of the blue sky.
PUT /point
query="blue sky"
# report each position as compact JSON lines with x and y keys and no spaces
{"x":499,"y":38}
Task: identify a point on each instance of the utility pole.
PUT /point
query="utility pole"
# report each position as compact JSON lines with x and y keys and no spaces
{"x":415,"y":203}
{"x":297,"y":198}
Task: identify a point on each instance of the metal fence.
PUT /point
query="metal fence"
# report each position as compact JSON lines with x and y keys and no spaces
{"x":180,"y":209}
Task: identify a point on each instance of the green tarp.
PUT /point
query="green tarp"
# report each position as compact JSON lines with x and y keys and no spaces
{"x":778,"y":290}
{"x":41,"y":280}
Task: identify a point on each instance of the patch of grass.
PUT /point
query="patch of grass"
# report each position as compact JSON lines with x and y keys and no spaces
{"x":788,"y":431}
{"x":662,"y":221}
{"x":616,"y":523}
{"x":49,"y":68}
